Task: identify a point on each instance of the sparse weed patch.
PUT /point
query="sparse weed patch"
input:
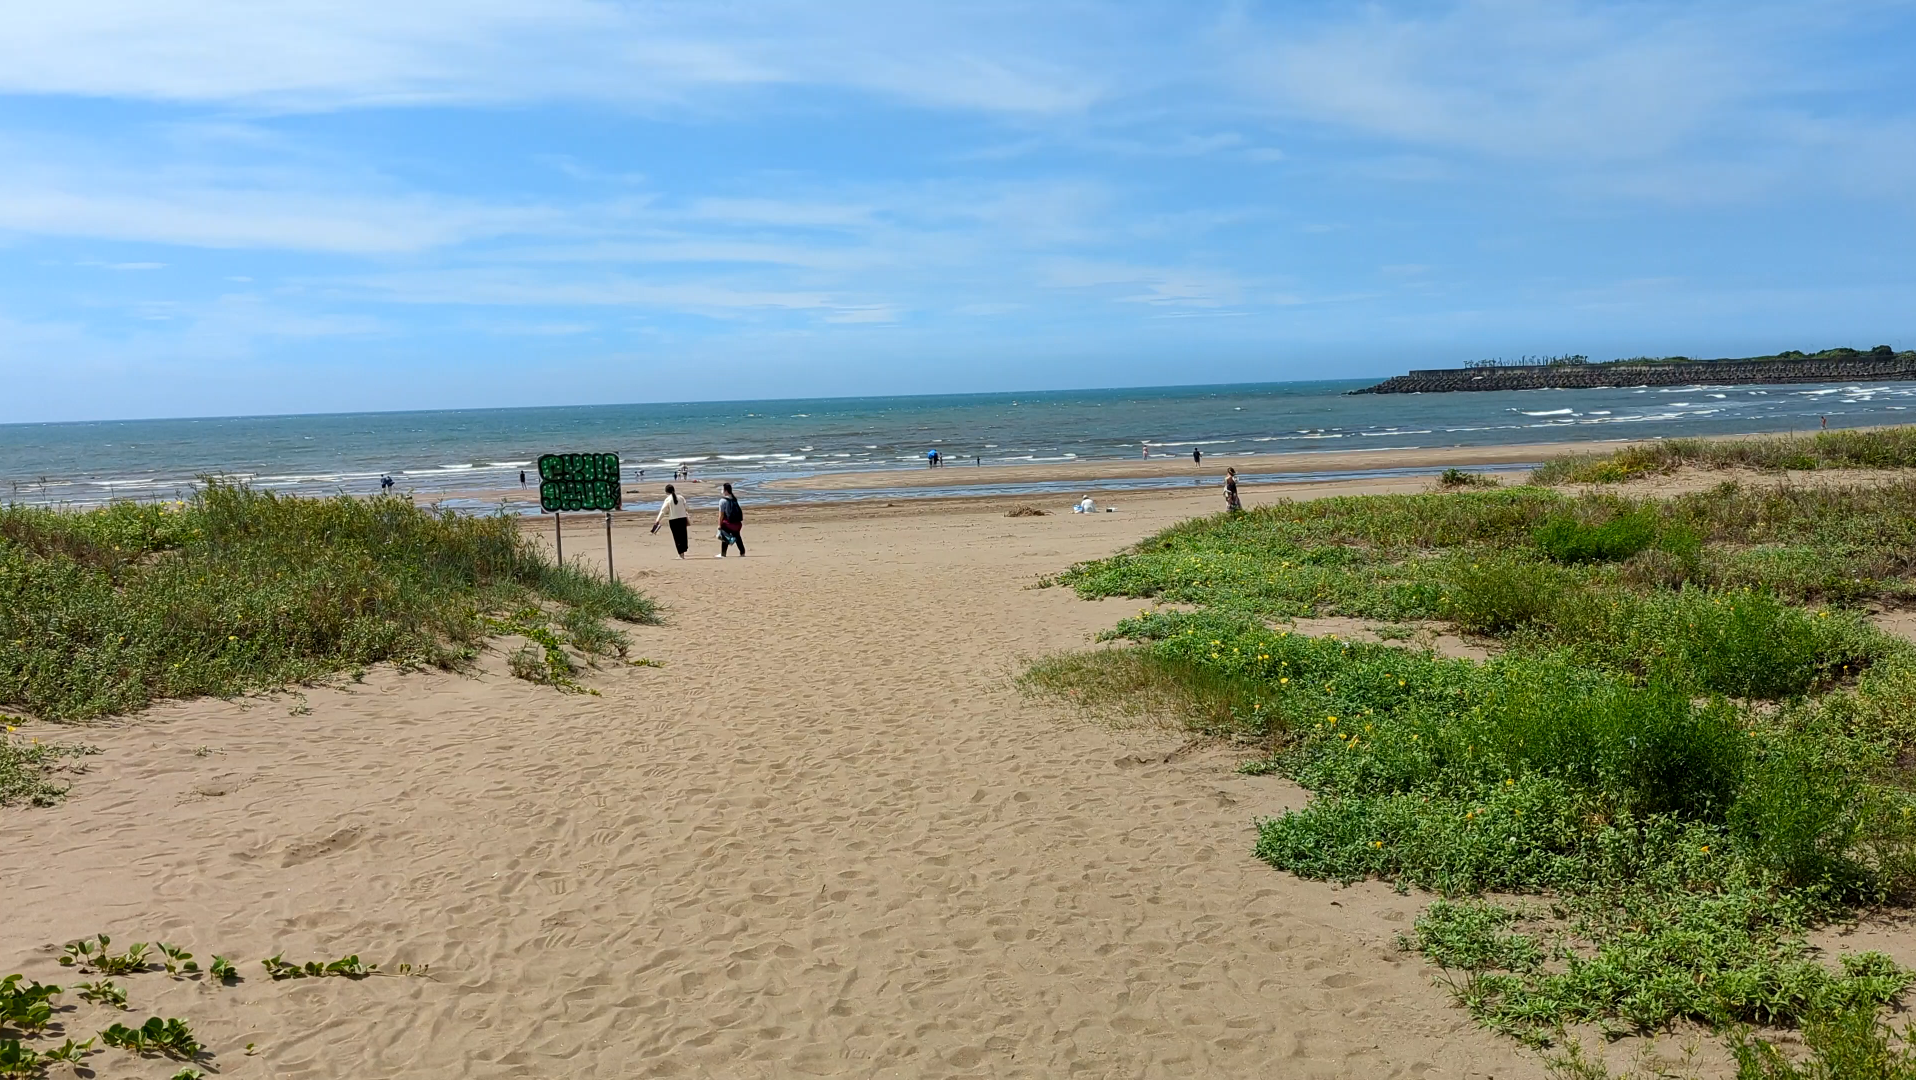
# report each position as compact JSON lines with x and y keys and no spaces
{"x":104,"y":992}
{"x":347,"y":967}
{"x":27,"y":767}
{"x":97,"y":955}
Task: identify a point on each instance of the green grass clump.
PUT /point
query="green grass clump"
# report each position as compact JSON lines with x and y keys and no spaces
{"x":1568,"y":540}
{"x":1136,"y":683}
{"x":1886,"y":448}
{"x":105,"y":611}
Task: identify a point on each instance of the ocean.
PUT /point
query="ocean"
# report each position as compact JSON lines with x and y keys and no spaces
{"x":434,"y":454}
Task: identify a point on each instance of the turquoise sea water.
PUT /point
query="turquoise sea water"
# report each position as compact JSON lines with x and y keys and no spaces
{"x":430,"y":453}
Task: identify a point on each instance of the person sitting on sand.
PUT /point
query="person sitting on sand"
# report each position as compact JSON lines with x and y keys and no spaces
{"x":1230,"y":492}
{"x":672,"y":512}
{"x":731,"y":520}
{"x":1085,"y":507}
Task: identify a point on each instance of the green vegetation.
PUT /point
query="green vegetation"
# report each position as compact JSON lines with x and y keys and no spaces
{"x":108,"y":610}
{"x":347,"y":967}
{"x":1457,"y":478}
{"x":103,"y":992}
{"x":1684,"y":764}
{"x":1886,"y":448}
{"x":171,"y":1037}
{"x":1880,"y":352}
{"x":27,"y":766}
{"x":26,"y":1008}
{"x":97,"y":955}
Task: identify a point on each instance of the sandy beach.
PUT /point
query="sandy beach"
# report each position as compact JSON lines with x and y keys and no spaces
{"x":827,"y":838}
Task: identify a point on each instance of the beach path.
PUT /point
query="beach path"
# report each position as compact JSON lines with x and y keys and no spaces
{"x":827,"y":838}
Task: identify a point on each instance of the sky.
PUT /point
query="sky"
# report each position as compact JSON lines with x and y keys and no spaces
{"x":229,"y":207}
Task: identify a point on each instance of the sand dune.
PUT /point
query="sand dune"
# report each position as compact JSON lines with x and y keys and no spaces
{"x":828,"y":838}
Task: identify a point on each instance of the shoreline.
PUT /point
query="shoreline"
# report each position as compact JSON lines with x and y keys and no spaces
{"x":1050,"y":480}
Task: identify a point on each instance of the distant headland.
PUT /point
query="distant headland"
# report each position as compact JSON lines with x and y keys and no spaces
{"x":1578,"y":373}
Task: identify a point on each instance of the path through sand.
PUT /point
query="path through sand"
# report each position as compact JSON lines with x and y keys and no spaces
{"x":828,"y":838}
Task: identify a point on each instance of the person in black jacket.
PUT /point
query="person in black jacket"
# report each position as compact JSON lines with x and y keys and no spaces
{"x":731,"y":521}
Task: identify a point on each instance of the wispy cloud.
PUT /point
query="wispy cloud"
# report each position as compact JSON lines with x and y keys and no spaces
{"x":348,"y":53}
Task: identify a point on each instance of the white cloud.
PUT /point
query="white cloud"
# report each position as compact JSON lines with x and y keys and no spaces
{"x":322,"y":54}
{"x":240,"y":208}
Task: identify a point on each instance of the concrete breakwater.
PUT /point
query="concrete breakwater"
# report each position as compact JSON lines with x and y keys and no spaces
{"x":1897,"y":366}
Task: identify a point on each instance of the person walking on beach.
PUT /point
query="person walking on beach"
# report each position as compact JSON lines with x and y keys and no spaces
{"x":731,"y":520}
{"x":1197,"y":457}
{"x":1230,"y":492}
{"x":522,"y":478}
{"x":672,"y":512}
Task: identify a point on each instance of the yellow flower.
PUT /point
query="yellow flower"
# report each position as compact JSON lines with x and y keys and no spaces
{"x":1706,"y":849}
{"x":1377,"y":843}
{"x":1281,"y":682}
{"x":232,"y":637}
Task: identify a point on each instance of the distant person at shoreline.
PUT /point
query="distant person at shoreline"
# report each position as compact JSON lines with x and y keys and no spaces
{"x":672,"y":512}
{"x":1147,"y":450}
{"x":522,"y":478}
{"x":731,"y":520}
{"x":1230,"y":492}
{"x":1826,"y":422}
{"x":1197,"y":457}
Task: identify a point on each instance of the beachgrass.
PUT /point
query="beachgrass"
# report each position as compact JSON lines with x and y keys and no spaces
{"x":105,"y":611}
{"x":1690,"y":751}
{"x":1880,"y":448}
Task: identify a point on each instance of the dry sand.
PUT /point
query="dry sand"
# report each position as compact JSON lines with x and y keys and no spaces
{"x":828,"y":838}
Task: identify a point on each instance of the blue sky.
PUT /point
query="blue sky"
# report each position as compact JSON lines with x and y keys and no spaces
{"x":229,"y":207}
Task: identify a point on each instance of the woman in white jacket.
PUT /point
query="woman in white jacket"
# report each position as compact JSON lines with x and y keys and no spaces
{"x":672,"y":512}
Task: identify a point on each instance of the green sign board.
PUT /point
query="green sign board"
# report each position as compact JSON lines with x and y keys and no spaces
{"x":580,"y":482}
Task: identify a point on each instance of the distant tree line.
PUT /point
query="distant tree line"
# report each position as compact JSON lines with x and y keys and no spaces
{"x":1883,"y":352}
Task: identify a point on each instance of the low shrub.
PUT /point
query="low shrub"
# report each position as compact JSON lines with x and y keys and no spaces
{"x":1567,"y":539}
{"x":1497,"y":594}
{"x":107,"y":610}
